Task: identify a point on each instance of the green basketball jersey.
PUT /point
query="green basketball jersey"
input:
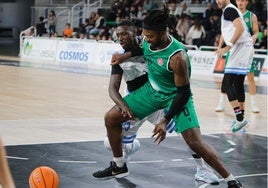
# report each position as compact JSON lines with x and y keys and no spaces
{"x":160,"y":77}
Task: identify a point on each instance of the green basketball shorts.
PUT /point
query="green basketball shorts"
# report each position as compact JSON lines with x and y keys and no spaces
{"x":146,"y":100}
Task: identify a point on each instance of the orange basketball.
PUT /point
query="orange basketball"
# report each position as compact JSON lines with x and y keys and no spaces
{"x":43,"y":177}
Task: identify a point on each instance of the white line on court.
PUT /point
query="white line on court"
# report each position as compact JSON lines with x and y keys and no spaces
{"x":136,"y":162}
{"x":175,"y":160}
{"x":231,"y":142}
{"x":19,"y":158}
{"x":82,"y":162}
{"x":229,"y":150}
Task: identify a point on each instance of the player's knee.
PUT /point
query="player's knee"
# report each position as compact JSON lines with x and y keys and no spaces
{"x":108,"y":119}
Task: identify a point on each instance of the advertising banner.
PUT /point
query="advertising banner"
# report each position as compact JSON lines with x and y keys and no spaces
{"x":38,"y":48}
{"x":202,"y":62}
{"x":105,"y":52}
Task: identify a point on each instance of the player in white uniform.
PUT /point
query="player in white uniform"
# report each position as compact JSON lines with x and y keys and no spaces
{"x":239,"y":42}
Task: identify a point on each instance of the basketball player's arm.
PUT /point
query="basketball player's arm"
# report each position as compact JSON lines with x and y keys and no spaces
{"x":220,"y":42}
{"x":119,"y":58}
{"x":114,"y":86}
{"x":255,"y":28}
{"x":232,"y":15}
{"x":6,"y":179}
{"x":179,"y":65}
{"x":136,"y":51}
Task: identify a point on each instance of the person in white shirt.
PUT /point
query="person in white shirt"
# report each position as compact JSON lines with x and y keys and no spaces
{"x":239,"y":42}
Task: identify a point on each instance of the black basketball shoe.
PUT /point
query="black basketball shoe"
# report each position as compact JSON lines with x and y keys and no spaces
{"x":234,"y":184}
{"x":111,"y":172}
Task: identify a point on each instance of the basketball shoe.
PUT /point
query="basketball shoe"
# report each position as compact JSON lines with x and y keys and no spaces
{"x":255,"y":108}
{"x":206,"y":175}
{"x":220,"y":107}
{"x":234,"y":184}
{"x":111,"y":172}
{"x":238,"y":125}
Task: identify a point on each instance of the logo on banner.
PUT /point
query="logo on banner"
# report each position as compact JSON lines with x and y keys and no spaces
{"x":27,"y":48}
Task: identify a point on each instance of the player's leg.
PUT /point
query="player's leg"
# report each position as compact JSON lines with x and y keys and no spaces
{"x":118,"y":168}
{"x":113,"y":119}
{"x":203,"y":172}
{"x":188,"y":125}
{"x":194,"y":139}
{"x":230,"y":86}
{"x":220,"y":107}
{"x":252,"y":91}
{"x":130,"y":143}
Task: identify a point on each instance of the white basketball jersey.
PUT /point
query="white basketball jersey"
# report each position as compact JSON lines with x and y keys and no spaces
{"x":133,"y":67}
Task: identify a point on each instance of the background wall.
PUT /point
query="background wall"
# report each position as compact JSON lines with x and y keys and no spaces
{"x":15,"y":16}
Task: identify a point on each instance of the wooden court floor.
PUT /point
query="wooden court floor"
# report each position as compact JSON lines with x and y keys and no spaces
{"x":40,"y":106}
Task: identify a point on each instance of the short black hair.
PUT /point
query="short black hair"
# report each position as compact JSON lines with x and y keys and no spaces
{"x":128,"y":23}
{"x":125,"y":23}
{"x":157,"y":19}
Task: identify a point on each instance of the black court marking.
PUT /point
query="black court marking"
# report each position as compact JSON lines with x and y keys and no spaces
{"x":166,"y":166}
{"x":82,"y":70}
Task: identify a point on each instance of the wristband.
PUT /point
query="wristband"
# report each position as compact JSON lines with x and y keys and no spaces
{"x":230,"y":44}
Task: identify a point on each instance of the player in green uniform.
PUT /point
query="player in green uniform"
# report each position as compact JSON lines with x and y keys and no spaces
{"x":168,"y":87}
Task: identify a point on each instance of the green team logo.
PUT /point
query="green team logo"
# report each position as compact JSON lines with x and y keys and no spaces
{"x":27,"y":48}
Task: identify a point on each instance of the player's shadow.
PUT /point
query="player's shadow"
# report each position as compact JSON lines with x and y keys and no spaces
{"x":125,"y":183}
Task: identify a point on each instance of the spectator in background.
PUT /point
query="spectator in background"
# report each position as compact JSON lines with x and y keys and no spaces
{"x":174,"y":10}
{"x":140,"y":11}
{"x":40,"y":27}
{"x":185,"y":10}
{"x":148,"y":5}
{"x":214,"y":28}
{"x":55,"y":35}
{"x":207,"y":14}
{"x":52,"y":19}
{"x":196,"y":33}
{"x":90,"y":23}
{"x":116,"y":5}
{"x":183,"y":27}
{"x":81,"y":32}
{"x":133,"y":12}
{"x":6,"y":180}
{"x":100,"y":26}
{"x":68,"y":31}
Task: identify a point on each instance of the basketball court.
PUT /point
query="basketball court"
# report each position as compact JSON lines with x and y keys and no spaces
{"x":54,"y":118}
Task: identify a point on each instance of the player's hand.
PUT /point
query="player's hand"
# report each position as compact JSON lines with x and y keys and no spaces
{"x":159,"y":132}
{"x":221,"y":51}
{"x":126,"y":111}
{"x":117,"y":58}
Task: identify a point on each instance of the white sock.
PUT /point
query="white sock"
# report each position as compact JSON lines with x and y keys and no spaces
{"x":222,"y":98}
{"x":252,"y":99}
{"x":119,"y":161}
{"x":199,"y":163}
{"x":229,"y":178}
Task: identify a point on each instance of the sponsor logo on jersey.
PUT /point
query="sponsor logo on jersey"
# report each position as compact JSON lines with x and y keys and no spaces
{"x":160,"y":61}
